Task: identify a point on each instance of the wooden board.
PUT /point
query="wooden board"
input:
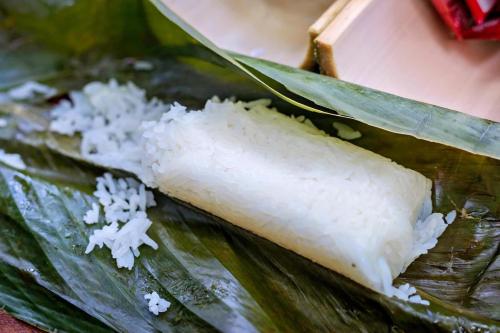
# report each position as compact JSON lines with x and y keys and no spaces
{"x":275,"y":30}
{"x":402,"y":47}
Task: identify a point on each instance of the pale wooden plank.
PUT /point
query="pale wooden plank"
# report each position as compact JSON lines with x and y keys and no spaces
{"x":403,"y":48}
{"x":275,"y":30}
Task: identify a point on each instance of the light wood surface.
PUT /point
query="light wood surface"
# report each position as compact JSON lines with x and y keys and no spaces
{"x":398,"y":46}
{"x":275,"y":30}
{"x":403,"y":48}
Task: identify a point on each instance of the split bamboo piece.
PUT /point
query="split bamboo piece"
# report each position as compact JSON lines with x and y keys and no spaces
{"x":317,"y":27}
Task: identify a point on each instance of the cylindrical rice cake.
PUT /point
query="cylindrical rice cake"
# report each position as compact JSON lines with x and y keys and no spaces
{"x":328,"y":200}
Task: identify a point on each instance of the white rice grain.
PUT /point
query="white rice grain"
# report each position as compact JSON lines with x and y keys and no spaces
{"x":29,"y":90}
{"x":92,"y":216}
{"x":13,"y":160}
{"x":346,"y":132}
{"x":156,"y":304}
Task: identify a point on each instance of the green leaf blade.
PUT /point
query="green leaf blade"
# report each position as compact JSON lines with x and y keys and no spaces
{"x":386,"y":111}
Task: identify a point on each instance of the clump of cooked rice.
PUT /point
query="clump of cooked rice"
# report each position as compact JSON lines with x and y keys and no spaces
{"x":156,"y":304}
{"x":124,"y":201}
{"x":107,"y":116}
{"x":281,"y":178}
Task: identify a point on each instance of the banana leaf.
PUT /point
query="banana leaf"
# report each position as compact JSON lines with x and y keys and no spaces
{"x":218,"y":277}
{"x":321,"y":93}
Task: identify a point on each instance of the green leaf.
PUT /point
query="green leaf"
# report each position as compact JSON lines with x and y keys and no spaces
{"x":386,"y":111}
{"x":376,"y":108}
{"x":21,"y":296}
{"x":217,"y":277}
{"x":77,"y":27}
{"x":443,"y":164}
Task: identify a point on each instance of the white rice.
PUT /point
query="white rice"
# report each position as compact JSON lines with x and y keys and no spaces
{"x":142,"y":65}
{"x":92,"y":216}
{"x":346,"y":132}
{"x":406,"y":292}
{"x":156,"y":304}
{"x":13,"y":160}
{"x":107,"y":116}
{"x":282,"y":178}
{"x":29,"y":90}
{"x":124,"y":201}
{"x":451,"y":216}
{"x":342,"y":206}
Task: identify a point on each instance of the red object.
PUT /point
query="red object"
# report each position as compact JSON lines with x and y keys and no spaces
{"x":480,"y":9}
{"x":461,"y":20}
{"x":455,"y":15}
{"x":488,"y":30}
